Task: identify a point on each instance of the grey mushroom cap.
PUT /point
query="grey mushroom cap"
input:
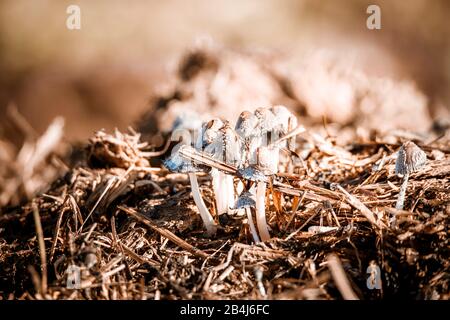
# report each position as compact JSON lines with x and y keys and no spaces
{"x":282,"y":115}
{"x":245,"y":200}
{"x":252,"y":173}
{"x":211,"y":131}
{"x":177,"y":163}
{"x":410,"y":159}
{"x":246,"y":124}
{"x":231,"y":144}
{"x":225,"y":147}
{"x":266,"y":120}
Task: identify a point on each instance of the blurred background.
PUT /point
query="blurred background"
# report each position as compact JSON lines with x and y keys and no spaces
{"x":104,"y":75}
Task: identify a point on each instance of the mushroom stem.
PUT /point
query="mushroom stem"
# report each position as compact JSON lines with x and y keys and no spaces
{"x":401,"y":194}
{"x":252,"y":225}
{"x":217,"y":183}
{"x":230,"y":200}
{"x":261,"y":211}
{"x":208,"y":220}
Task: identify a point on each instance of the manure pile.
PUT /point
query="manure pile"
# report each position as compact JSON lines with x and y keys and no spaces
{"x":106,"y":219}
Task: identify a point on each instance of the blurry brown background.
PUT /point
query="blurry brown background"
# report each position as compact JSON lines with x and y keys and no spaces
{"x":103,"y":75}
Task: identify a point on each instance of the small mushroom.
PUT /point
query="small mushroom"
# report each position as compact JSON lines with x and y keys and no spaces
{"x":246,"y":128}
{"x":210,"y":132}
{"x":246,"y":124}
{"x":233,"y":155}
{"x":410,"y":159}
{"x":266,"y":120}
{"x":285,"y":122}
{"x":246,"y":202}
{"x":224,"y":144}
{"x":211,"y":142}
{"x":176,"y":163}
{"x":260,"y":177}
{"x":265,"y":129}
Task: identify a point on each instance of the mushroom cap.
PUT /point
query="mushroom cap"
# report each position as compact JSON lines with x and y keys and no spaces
{"x":282,"y":116}
{"x":232,"y":146}
{"x":252,"y":173}
{"x":266,"y":120}
{"x":410,"y":158}
{"x":285,"y":121}
{"x":211,"y":131}
{"x":226,"y":145}
{"x":245,"y":200}
{"x":246,"y":124}
{"x":177,"y":163}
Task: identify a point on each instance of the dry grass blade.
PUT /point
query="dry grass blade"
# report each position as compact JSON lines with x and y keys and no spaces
{"x":340,"y":278}
{"x":202,"y":158}
{"x":108,"y":187}
{"x":24,"y":171}
{"x":17,"y":119}
{"x":354,"y":202}
{"x":45,"y":144}
{"x":302,"y":226}
{"x":57,"y":231}
{"x":292,"y":133}
{"x":40,"y":238}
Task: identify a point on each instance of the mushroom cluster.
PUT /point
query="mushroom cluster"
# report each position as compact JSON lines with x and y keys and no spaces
{"x":252,"y":146}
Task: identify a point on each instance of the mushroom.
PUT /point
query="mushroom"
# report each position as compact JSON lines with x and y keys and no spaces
{"x":410,"y":159}
{"x":254,"y":174}
{"x":210,"y":141}
{"x":176,"y":163}
{"x":222,"y":143}
{"x":232,"y":155}
{"x":266,"y":124}
{"x":263,"y":157}
{"x":266,"y":119}
{"x":246,"y":202}
{"x":210,"y":131}
{"x":285,"y":122}
{"x":246,"y":126}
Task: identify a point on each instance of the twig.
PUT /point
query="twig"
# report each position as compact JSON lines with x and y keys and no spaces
{"x":302,"y":226}
{"x":19,"y":121}
{"x":224,"y":274}
{"x":57,"y":228}
{"x":43,"y":147}
{"x":113,"y":271}
{"x":40,"y":237}
{"x":150,"y":154}
{"x":111,"y":181}
{"x":340,"y":278}
{"x":354,"y":202}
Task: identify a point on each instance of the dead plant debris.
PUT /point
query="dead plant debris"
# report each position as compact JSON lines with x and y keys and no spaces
{"x":114,"y":227}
